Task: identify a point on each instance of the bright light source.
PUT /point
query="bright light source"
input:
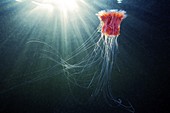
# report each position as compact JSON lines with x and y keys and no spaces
{"x":49,"y":7}
{"x":64,"y":5}
{"x":18,"y":0}
{"x":119,"y":1}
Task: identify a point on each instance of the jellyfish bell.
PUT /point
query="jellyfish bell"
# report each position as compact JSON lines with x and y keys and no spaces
{"x":110,"y":21}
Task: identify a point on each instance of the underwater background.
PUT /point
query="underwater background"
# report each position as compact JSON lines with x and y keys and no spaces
{"x":30,"y":81}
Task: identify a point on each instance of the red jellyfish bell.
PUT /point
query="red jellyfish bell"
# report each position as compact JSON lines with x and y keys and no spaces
{"x":110,"y":22}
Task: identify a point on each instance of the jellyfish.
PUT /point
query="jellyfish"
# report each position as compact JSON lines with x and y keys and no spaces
{"x":96,"y":68}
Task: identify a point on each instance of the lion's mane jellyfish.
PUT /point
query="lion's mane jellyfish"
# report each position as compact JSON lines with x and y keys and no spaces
{"x":110,"y":22}
{"x":100,"y":61}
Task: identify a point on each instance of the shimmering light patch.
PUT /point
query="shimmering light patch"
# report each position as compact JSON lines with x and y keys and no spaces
{"x":64,"y":5}
{"x":19,"y":0}
{"x":119,"y":1}
{"x":49,"y":7}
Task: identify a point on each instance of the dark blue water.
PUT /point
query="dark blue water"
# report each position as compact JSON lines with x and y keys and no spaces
{"x":28,"y":84}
